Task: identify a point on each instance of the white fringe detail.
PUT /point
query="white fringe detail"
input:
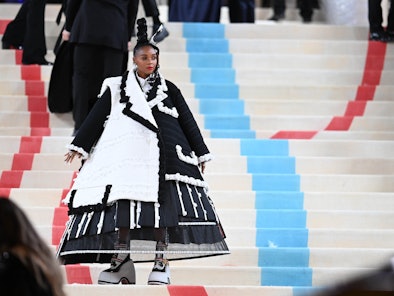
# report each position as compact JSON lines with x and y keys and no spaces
{"x":194,"y":204}
{"x":80,"y":150}
{"x":101,"y":222}
{"x":157,"y":214}
{"x":192,"y":159}
{"x":184,"y":213}
{"x":138,"y":214}
{"x":205,"y":158}
{"x":80,"y":225}
{"x":132,"y":214}
{"x":169,"y":111}
{"x":201,"y":204}
{"x":90,"y":216}
{"x":186,"y":179}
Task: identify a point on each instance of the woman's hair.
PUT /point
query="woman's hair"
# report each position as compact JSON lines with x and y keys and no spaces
{"x":19,"y":237}
{"x":142,"y":37}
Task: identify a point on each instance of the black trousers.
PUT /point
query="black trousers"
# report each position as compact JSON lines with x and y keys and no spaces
{"x":241,"y":11}
{"x":92,"y":64}
{"x":27,"y":30}
{"x":150,"y":7}
{"x":305,"y":6}
{"x":375,"y":16}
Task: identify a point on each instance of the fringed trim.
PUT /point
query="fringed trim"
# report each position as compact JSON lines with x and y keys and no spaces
{"x":192,"y":159}
{"x":80,"y":150}
{"x":184,"y":213}
{"x":132,"y":215}
{"x":127,"y":111}
{"x":138,"y":213}
{"x":169,"y":111}
{"x":88,"y":208}
{"x":157,"y":215}
{"x":160,"y":92}
{"x":194,"y":204}
{"x":201,"y":204}
{"x":186,"y":179}
{"x":205,"y":158}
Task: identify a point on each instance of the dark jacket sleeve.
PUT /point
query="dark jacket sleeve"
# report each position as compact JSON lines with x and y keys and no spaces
{"x":71,"y":12}
{"x":187,"y":121}
{"x":93,"y":126}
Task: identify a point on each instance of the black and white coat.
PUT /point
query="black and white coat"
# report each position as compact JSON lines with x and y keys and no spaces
{"x":132,"y":142}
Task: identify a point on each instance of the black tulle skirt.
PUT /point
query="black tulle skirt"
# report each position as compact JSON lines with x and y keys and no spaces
{"x":186,"y":215}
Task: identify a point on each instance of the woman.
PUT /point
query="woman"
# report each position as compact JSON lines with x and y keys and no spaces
{"x":27,"y":265}
{"x":140,"y":191}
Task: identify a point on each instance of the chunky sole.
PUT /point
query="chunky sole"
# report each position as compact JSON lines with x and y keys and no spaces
{"x":125,"y":275}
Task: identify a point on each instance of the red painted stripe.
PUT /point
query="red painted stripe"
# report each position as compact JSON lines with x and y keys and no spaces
{"x":37,"y":104}
{"x":5,"y":192}
{"x":187,"y":290}
{"x":31,"y":72}
{"x":34,"y":88}
{"x":78,"y":274}
{"x":3,"y":25}
{"x":294,"y":135}
{"x":40,"y":131}
{"x":39,"y":119}
{"x":11,"y":179}
{"x":373,"y":68}
{"x":18,"y":57}
{"x":30,"y":145}
{"x":22,"y":161}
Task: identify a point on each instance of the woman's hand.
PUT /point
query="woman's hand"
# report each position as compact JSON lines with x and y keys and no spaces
{"x":65,"y":35}
{"x":202,"y":167}
{"x":69,"y":156}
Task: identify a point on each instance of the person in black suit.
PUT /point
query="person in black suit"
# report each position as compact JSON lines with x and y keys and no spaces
{"x":305,"y":6}
{"x":151,"y":10}
{"x":100,"y":32}
{"x":27,"y":32}
{"x":375,"y":18}
{"x":241,"y":11}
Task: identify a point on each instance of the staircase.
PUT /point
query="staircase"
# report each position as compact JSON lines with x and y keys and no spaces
{"x":300,"y":120}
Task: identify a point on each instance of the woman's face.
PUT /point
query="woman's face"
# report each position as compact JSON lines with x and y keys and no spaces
{"x":146,"y":60}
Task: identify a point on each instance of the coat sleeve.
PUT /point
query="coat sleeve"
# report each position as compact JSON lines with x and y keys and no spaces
{"x":71,"y":12}
{"x":189,"y":124}
{"x":93,"y":126}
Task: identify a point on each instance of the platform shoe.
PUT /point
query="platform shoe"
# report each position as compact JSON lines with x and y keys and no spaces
{"x":121,"y":271}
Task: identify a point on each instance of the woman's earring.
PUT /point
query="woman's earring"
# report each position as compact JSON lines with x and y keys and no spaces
{"x":134,"y":66}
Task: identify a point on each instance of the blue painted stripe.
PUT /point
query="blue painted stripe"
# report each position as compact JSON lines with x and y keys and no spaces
{"x":282,"y":237}
{"x":222,"y":106}
{"x":279,"y":200}
{"x":203,"y":30}
{"x":207,"y":45}
{"x":281,"y":218}
{"x":210,"y":60}
{"x":207,"y":75}
{"x":216,"y":91}
{"x":271,"y":164}
{"x":290,"y":257}
{"x":281,"y":233}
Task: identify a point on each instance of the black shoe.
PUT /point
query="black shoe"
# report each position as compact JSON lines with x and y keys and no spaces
{"x":159,"y":33}
{"x":277,"y":17}
{"x":307,"y":20}
{"x":42,"y":63}
{"x":390,"y":36}
{"x":379,"y":36}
